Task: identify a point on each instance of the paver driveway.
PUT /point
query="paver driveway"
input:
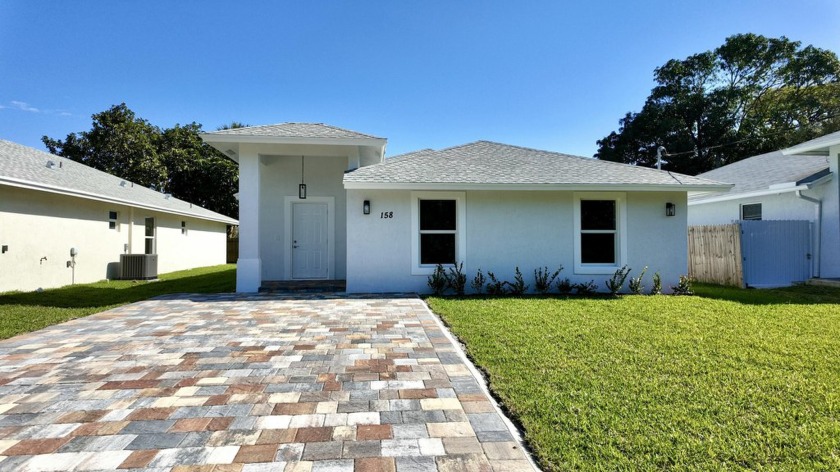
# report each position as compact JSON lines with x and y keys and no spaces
{"x":227,"y":383}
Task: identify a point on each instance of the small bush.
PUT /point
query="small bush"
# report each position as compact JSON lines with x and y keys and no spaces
{"x":457,"y":279}
{"x":518,"y":286}
{"x":438,"y":280}
{"x":585,"y":288}
{"x":615,"y":282}
{"x":657,"y":284}
{"x":684,"y":286}
{"x":636,"y":286}
{"x":495,"y":286}
{"x":478,"y":282}
{"x":543,"y":280}
{"x":565,"y":286}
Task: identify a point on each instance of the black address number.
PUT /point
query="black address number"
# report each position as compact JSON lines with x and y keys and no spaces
{"x":386,"y":214}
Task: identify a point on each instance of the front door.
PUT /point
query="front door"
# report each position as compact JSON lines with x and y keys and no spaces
{"x":310,"y":258}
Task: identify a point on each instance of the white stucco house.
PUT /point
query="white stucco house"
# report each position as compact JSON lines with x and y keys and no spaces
{"x":798,"y":183}
{"x":383,"y":224}
{"x":50,"y":205}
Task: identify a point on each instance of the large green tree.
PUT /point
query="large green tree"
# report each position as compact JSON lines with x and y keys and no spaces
{"x":749,"y":96}
{"x":172,"y":160}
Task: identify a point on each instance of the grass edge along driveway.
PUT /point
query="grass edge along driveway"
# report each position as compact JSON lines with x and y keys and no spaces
{"x":729,"y":380}
{"x":23,"y":312}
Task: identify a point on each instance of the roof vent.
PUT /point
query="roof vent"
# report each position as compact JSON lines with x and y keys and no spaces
{"x":167,"y":196}
{"x":50,"y":164}
{"x":122,"y":183}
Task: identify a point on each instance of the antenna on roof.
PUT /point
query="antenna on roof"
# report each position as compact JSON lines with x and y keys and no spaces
{"x":659,"y":152}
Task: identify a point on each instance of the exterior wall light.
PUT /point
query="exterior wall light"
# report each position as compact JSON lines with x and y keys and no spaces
{"x":302,"y":191}
{"x":366,"y":207}
{"x":670,"y":209}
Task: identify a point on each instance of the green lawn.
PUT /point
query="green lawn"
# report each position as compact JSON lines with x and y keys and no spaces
{"x":727,"y":380}
{"x":21,"y":312}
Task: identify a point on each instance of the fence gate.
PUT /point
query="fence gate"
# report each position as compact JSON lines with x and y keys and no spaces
{"x":775,"y":253}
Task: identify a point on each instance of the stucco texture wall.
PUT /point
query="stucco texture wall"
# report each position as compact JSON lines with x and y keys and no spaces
{"x":39,"y":229}
{"x":785,"y":206}
{"x":507,"y":229}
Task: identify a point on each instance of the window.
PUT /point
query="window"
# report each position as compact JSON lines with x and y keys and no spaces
{"x":150,"y":236}
{"x":600,"y":243}
{"x":751,"y":211}
{"x":184,"y":227}
{"x":112,"y":220}
{"x":438,"y":230}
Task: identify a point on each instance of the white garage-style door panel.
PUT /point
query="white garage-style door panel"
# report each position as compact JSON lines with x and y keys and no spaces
{"x":310,"y":241}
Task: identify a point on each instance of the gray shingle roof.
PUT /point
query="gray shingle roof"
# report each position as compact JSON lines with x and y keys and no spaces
{"x":485,"y":162}
{"x":818,"y":146}
{"x":25,"y":166}
{"x":293,"y":130}
{"x":760,"y":172}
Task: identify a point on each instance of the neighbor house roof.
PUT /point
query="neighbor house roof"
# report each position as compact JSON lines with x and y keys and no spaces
{"x":767,"y":173}
{"x":26,"y":167}
{"x":485,"y":164}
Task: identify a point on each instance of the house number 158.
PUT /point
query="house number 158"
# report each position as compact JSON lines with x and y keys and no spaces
{"x":386,"y":214}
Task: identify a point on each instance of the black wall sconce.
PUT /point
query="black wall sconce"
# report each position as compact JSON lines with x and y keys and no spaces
{"x":302,"y":191}
{"x":670,"y":209}
{"x":366,"y":207}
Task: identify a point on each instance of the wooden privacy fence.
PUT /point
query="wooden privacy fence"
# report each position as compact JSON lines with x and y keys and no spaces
{"x":714,"y":254}
{"x":232,"y":250}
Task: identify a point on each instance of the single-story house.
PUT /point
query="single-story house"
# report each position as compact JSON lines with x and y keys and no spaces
{"x":798,"y":183}
{"x":52,"y":207}
{"x":320,"y":202}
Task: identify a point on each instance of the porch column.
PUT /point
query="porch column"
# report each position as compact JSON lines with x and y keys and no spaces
{"x":249,"y":266}
{"x":830,"y":251}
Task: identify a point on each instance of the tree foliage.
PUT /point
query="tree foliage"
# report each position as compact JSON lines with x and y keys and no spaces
{"x":749,"y":96}
{"x":172,"y":160}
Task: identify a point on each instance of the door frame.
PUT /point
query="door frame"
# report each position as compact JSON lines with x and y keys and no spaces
{"x":287,"y":233}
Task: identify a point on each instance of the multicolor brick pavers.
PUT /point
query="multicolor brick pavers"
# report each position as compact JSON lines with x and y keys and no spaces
{"x":261,"y":383}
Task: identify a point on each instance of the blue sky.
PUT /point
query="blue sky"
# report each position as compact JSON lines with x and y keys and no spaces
{"x":550,"y":75}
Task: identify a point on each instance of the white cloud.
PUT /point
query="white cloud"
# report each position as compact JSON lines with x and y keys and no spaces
{"x":23,"y":106}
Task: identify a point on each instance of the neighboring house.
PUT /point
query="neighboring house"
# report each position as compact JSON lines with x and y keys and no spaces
{"x":798,"y":183}
{"x":49,"y":204}
{"x":383,"y":224}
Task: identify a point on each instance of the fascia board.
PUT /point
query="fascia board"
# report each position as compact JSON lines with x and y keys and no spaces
{"x":354,"y":185}
{"x":100,"y":198}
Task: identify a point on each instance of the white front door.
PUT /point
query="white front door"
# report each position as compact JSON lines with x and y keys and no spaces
{"x":310,"y":258}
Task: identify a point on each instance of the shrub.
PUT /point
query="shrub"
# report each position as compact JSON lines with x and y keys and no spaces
{"x":478,"y":282}
{"x":543,"y":280}
{"x":518,"y":286}
{"x":615,"y":282}
{"x":457,"y":279}
{"x":438,"y":280}
{"x":565,"y":286}
{"x":585,"y":288}
{"x":495,"y":286}
{"x":657,"y":284}
{"x":684,"y":286}
{"x":636,"y":286}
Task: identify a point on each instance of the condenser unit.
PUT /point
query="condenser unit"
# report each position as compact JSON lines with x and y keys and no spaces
{"x":138,"y":266}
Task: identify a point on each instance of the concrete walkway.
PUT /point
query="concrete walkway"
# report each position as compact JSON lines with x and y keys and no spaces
{"x":262,"y":383}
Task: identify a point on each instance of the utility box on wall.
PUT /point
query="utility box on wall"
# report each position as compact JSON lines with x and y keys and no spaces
{"x":138,"y":266}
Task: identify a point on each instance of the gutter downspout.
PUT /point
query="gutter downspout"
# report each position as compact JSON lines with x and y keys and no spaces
{"x":817,"y":229}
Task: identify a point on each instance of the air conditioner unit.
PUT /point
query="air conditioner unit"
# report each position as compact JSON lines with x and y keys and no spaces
{"x":138,"y":266}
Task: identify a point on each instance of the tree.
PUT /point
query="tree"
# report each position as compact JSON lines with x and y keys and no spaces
{"x":750,"y":95}
{"x":173,"y":160}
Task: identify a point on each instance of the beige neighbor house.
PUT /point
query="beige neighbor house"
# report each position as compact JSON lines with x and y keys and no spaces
{"x":323,"y":203}
{"x":62,"y":222}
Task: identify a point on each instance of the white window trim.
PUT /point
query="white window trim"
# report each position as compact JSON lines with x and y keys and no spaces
{"x":621,"y":228}
{"x":460,"y":229}
{"x":741,"y":210}
{"x":153,"y":237}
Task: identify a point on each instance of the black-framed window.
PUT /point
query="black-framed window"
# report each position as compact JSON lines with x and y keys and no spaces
{"x":751,"y":211}
{"x":183,"y":227}
{"x":113,"y":216}
{"x":598,"y":232}
{"x":438,"y":231}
